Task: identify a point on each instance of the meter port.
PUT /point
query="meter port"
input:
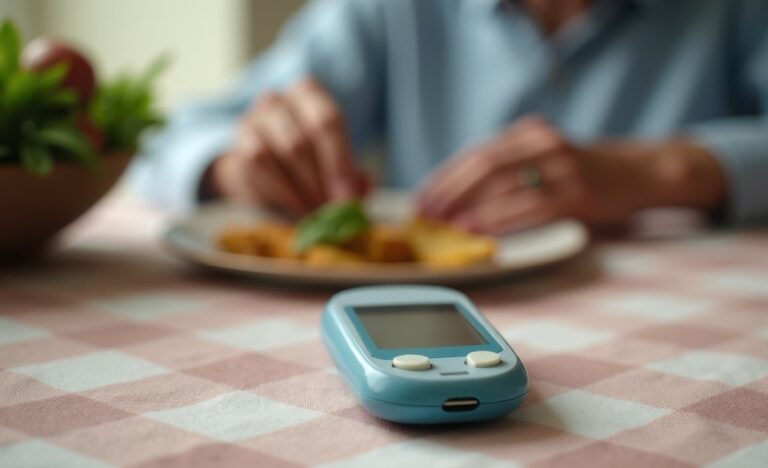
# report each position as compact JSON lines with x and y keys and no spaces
{"x":454,"y":405}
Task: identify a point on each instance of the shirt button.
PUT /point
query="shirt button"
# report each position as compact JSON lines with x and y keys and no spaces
{"x":483,"y":359}
{"x":411,"y":362}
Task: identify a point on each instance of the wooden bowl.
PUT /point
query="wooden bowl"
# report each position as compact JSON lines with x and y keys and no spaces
{"x":35,"y":208}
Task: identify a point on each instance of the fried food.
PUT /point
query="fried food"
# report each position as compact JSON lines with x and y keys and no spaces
{"x":443,"y":246}
{"x":428,"y":243}
{"x":266,"y":240}
{"x":389,"y":244}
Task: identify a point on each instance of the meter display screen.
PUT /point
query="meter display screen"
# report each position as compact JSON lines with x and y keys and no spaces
{"x":418,"y":326}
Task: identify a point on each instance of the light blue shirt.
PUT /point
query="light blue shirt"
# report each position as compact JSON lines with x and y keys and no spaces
{"x":426,"y":78}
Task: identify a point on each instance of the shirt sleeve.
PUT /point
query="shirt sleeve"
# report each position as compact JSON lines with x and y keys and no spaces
{"x":740,"y":144}
{"x":338,"y":42}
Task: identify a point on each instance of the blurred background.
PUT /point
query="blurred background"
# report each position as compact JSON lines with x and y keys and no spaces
{"x":214,"y":40}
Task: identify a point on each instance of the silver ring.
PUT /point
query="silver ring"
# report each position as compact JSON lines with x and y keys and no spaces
{"x":529,"y":177}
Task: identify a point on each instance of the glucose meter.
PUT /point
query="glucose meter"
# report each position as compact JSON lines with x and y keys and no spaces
{"x":422,"y":354}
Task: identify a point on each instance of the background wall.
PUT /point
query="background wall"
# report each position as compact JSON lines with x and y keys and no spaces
{"x":210,"y":40}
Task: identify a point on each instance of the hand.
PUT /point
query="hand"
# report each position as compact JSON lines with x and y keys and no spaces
{"x":291,"y":152}
{"x":531,"y":174}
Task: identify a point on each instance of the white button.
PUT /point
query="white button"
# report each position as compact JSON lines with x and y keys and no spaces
{"x":412,"y":362}
{"x":483,"y":359}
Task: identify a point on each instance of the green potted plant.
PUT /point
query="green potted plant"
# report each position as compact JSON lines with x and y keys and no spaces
{"x":65,"y":137}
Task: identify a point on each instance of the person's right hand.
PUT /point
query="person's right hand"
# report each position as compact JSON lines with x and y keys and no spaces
{"x":291,"y":153}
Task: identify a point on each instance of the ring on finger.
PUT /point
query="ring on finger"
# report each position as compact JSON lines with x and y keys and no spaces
{"x":530,"y":177}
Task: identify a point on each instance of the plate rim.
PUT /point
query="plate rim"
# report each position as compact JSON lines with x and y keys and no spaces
{"x":298,"y":273}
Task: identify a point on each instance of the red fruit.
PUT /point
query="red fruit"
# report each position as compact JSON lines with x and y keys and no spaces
{"x":93,"y":133}
{"x":43,"y":54}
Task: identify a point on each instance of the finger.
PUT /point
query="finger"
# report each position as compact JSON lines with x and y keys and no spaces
{"x":324,"y":124}
{"x":277,"y":125}
{"x":522,"y":143}
{"x":230,"y":180}
{"x":238,"y":166}
{"x":498,"y":185}
{"x":260,"y":177}
{"x":269,"y":184}
{"x":494,"y":167}
{"x":455,"y":177}
{"x":529,"y":139}
{"x":365,"y":185}
{"x":511,"y":212}
{"x":460,"y":185}
{"x":558,"y":174}
{"x":445,"y":177}
{"x":434,"y":183}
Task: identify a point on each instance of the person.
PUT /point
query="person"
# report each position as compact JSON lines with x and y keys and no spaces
{"x":499,"y":114}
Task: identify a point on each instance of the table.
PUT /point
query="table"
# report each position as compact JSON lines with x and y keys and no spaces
{"x":645,"y":352}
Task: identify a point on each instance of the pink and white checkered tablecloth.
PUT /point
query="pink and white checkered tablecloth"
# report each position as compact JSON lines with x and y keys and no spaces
{"x":649,"y":352}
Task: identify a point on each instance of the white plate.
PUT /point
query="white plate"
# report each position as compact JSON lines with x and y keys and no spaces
{"x":194,"y":238}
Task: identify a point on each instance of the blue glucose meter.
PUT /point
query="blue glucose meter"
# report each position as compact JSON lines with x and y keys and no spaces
{"x":422,"y":354}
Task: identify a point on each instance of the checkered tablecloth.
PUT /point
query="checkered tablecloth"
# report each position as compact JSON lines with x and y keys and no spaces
{"x":647,"y":352}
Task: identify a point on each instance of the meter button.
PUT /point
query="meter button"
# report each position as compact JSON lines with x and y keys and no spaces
{"x":483,"y":359}
{"x":412,"y":362}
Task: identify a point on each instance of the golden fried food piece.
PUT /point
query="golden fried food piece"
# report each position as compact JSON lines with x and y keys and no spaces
{"x":431,"y":243}
{"x":267,"y":240}
{"x":281,"y":240}
{"x":443,"y":246}
{"x":389,"y":244}
{"x":244,"y":241}
{"x":329,"y":255}
{"x":358,"y":245}
{"x":383,"y":244}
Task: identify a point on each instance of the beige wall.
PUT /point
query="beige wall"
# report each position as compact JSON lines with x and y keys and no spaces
{"x":209,"y":39}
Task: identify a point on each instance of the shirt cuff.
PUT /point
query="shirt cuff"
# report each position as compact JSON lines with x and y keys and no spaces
{"x":741,"y":148}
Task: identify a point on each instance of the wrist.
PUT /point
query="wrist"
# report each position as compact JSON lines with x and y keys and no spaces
{"x":686,"y":175}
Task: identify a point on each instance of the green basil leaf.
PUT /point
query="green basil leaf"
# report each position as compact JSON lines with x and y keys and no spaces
{"x":333,"y":224}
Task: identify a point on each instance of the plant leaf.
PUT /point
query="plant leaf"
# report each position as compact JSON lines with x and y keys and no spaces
{"x":64,"y":98}
{"x":70,"y":140}
{"x":39,"y":120}
{"x":124,"y":107}
{"x":10,"y":49}
{"x":153,"y":72}
{"x":51,"y":79}
{"x":21,"y":93}
{"x":332,"y":224}
{"x":36,"y":159}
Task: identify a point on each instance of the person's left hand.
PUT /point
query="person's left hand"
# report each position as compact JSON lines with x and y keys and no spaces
{"x":530,"y":174}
